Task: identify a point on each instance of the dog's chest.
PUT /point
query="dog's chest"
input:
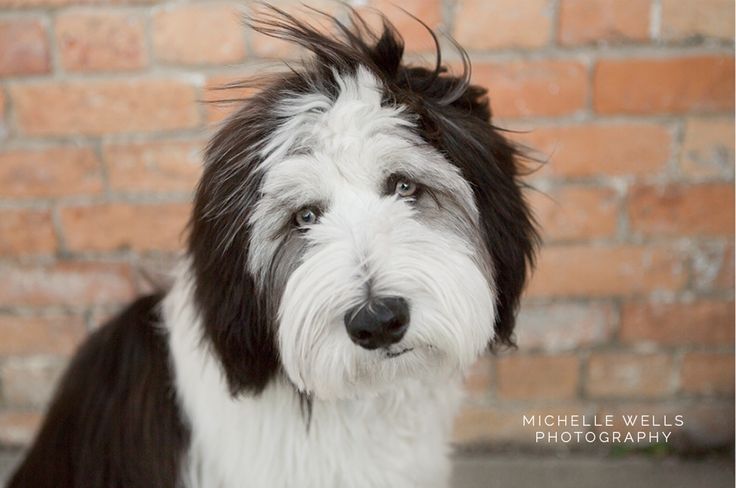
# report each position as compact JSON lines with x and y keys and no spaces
{"x":398,"y":440}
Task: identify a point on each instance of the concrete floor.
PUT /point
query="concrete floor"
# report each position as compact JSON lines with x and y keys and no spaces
{"x":524,"y":470}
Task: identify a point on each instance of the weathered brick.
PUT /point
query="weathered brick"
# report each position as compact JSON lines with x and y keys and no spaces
{"x":24,"y":47}
{"x":61,"y":3}
{"x":537,"y":377}
{"x":705,"y":424}
{"x":18,"y":427}
{"x":221,"y":99}
{"x":65,"y":283}
{"x":664,"y":85}
{"x":624,"y":374}
{"x":505,"y":424}
{"x":415,"y":35}
{"x":533,"y":88}
{"x":26,"y":232}
{"x":161,"y":166}
{"x":102,"y":107}
{"x":712,"y":265}
{"x":576,"y":213}
{"x":40,"y":334}
{"x":564,"y":326}
{"x":675,"y":210}
{"x":708,"y":148}
{"x":707,"y":373}
{"x":51,"y":172}
{"x":3,"y":125}
{"x":580,"y":151}
{"x":30,"y":382}
{"x":480,"y":24}
{"x":110,"y":227}
{"x":707,"y":322}
{"x":584,"y":21}
{"x":101,"y":41}
{"x":595,"y":271}
{"x":684,"y":19}
{"x":267,"y":47}
{"x":209,"y":33}
{"x":479,"y":379}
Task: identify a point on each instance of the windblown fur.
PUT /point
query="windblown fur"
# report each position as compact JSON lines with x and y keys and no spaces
{"x":350,"y":183}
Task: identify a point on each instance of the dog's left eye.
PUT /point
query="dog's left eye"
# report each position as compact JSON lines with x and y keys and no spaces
{"x":405,"y":188}
{"x":306,"y":216}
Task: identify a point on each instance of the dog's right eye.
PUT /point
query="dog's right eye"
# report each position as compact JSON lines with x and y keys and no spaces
{"x":306,"y":216}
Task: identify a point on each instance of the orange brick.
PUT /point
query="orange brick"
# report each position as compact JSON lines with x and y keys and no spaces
{"x":65,"y":283}
{"x":30,"y":382}
{"x":725,"y":276}
{"x":712,"y":265}
{"x":221,"y":100}
{"x":111,"y":227}
{"x":53,"y":172}
{"x":199,"y":34}
{"x":415,"y":36}
{"x":162,"y":166}
{"x":24,"y":232}
{"x":600,"y":149}
{"x":706,"y":424}
{"x":595,"y":271}
{"x":674,"y":210}
{"x":708,"y":148}
{"x":684,"y":19}
{"x":48,"y":334}
{"x":706,"y":322}
{"x":671,"y":85}
{"x":629,"y":375}
{"x":564,"y":326}
{"x":537,"y":377}
{"x":707,"y":373}
{"x":268,"y":47}
{"x":101,"y":41}
{"x":24,"y":47}
{"x":59,"y":3}
{"x":18,"y":427}
{"x":504,"y":424}
{"x":102,"y":107}
{"x":479,"y":378}
{"x":584,"y":21}
{"x":533,"y":88}
{"x":480,"y":24}
{"x":576,"y":213}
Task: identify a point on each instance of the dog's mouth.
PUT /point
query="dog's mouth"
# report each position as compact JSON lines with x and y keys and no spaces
{"x":399,"y":352}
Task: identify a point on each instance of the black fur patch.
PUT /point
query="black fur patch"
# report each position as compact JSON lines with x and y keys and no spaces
{"x":114,"y":422}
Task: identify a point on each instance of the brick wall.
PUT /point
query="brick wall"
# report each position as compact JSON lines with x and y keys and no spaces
{"x":631,"y":102}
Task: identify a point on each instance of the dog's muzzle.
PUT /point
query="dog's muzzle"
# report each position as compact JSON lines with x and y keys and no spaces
{"x":378,"y":323}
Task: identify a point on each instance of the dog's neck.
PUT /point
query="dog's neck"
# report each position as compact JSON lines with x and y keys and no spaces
{"x":233,"y":439}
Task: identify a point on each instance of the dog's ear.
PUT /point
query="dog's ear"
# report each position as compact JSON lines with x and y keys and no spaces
{"x":238,"y":323}
{"x":492,"y":165}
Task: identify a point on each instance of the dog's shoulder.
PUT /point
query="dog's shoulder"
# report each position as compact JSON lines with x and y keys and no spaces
{"x":114,"y":420}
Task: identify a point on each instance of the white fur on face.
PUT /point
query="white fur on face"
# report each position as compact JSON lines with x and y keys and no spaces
{"x":338,"y":155}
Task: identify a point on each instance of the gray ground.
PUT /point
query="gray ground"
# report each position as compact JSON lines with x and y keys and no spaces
{"x":524,"y":470}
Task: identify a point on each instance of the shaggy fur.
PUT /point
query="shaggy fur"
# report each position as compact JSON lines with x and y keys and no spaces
{"x":349,"y":183}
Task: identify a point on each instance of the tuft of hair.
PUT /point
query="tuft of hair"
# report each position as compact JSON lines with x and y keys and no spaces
{"x":451,"y":114}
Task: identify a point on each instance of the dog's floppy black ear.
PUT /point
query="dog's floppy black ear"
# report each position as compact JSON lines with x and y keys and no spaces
{"x":237,"y":320}
{"x":492,"y":165}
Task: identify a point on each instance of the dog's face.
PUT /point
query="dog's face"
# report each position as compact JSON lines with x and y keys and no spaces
{"x":354,"y":230}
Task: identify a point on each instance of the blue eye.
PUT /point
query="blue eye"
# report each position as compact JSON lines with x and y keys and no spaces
{"x":306,"y":216}
{"x":405,"y":188}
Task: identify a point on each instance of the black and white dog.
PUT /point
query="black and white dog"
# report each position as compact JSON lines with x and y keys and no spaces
{"x":359,"y":237}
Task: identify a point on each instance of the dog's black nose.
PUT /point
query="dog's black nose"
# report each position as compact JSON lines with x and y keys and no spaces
{"x":378,"y":323}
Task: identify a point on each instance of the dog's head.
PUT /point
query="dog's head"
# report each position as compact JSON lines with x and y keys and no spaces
{"x":359,"y":221}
